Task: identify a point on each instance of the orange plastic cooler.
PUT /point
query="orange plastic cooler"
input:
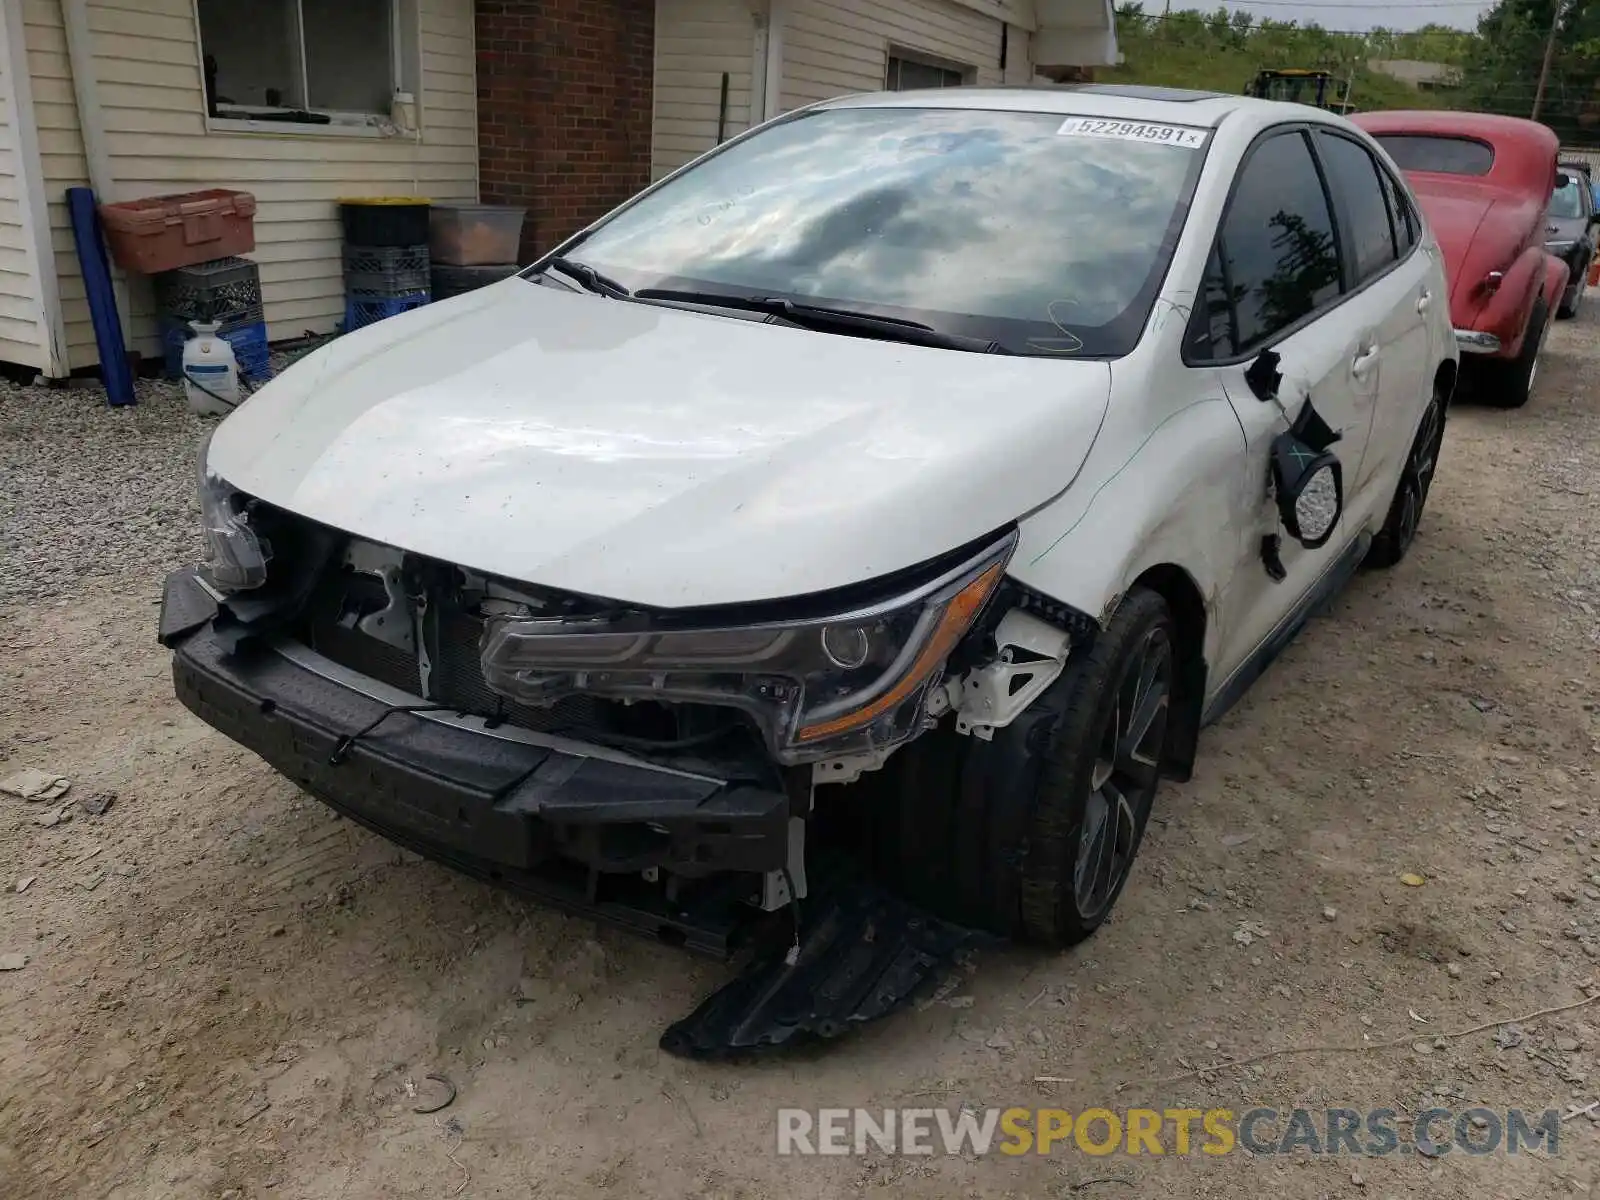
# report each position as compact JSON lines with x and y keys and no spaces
{"x":162,"y":233}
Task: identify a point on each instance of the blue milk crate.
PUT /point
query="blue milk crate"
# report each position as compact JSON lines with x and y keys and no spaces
{"x":249,"y":342}
{"x":360,"y":311}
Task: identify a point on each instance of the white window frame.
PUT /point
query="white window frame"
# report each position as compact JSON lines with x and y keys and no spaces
{"x":405,"y":73}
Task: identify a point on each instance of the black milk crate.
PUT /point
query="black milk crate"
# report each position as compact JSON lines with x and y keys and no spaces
{"x":381,"y":272}
{"x":452,"y":281}
{"x":225,"y":290}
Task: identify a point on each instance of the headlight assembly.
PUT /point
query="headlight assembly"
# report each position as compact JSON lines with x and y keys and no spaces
{"x":236,"y":556}
{"x":818,"y":688}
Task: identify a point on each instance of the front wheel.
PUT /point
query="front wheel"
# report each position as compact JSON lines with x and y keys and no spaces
{"x":1032,"y":834}
{"x":1100,"y":775}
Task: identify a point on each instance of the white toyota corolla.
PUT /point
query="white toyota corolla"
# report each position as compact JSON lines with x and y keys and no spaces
{"x":911,"y":477}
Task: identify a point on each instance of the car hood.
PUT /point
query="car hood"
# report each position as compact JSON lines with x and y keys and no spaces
{"x":657,"y":455}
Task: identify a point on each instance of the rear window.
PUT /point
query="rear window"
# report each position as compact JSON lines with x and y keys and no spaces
{"x":1448,"y":155}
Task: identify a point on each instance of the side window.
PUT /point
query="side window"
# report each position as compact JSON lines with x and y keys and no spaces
{"x":1404,"y":217}
{"x":1365,"y":227}
{"x":1279,"y":257}
{"x":1211,"y":329}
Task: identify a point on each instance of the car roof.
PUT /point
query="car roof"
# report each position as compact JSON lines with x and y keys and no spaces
{"x":1447,"y":122}
{"x":1125,"y":102}
{"x":1525,"y":151}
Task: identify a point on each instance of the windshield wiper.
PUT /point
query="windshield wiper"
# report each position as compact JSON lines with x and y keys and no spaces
{"x":591,"y":279}
{"x":822,"y":316}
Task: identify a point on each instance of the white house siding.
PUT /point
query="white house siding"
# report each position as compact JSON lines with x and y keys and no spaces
{"x":1019,"y":57}
{"x":696,"y":42}
{"x":20,"y":315}
{"x":151,"y":95}
{"x":831,"y":47}
{"x":61,"y":161}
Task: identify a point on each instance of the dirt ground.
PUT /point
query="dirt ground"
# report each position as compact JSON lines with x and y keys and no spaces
{"x":229,"y":992}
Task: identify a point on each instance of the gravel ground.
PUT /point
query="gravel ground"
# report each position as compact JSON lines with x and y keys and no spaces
{"x":94,"y":493}
{"x":227,"y":993}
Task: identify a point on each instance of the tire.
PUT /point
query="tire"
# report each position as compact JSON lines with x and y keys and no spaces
{"x":1032,"y":835}
{"x":1510,"y":384}
{"x":1573,"y":296}
{"x":1411,"y":493}
{"x":1141,"y":639}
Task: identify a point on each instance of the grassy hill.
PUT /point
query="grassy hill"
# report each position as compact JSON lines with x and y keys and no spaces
{"x":1222,"y":53}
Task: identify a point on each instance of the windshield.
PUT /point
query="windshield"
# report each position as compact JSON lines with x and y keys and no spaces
{"x":1048,"y":235}
{"x":1450,"y":155}
{"x":1567,"y":199}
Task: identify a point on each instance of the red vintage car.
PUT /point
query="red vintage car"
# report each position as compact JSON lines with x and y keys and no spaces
{"x":1484,"y":182}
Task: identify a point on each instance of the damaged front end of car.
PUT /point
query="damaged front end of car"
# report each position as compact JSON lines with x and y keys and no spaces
{"x":653,"y":769}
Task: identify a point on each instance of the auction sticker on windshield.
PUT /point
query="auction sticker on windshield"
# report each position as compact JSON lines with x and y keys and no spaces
{"x":1133,"y":131}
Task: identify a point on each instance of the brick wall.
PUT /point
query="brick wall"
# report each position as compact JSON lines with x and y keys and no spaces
{"x":564,"y":109}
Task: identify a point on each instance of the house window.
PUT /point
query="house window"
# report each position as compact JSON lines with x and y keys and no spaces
{"x":908,"y":73}
{"x":305,"y":61}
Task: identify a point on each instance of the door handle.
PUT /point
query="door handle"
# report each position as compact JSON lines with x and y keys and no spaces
{"x":1364,"y":361}
{"x":1424,"y":301}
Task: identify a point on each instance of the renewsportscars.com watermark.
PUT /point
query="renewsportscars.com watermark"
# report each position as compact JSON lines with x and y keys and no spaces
{"x":1170,"y":1131}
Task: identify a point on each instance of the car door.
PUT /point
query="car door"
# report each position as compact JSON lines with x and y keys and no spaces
{"x":1390,"y":285}
{"x":1276,"y":281}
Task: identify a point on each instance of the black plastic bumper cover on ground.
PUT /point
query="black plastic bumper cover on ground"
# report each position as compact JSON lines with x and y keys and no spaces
{"x":862,"y":953}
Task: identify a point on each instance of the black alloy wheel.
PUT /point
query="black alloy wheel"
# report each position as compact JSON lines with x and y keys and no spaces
{"x":1032,"y":833}
{"x":1122,"y":784}
{"x":1411,"y":495}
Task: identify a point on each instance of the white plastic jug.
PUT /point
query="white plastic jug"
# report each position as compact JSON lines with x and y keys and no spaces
{"x":210,"y":371}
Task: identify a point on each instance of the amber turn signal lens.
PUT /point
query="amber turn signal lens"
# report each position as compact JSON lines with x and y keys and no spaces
{"x":959,"y":613}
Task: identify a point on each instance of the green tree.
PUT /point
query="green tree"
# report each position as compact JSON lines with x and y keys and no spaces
{"x":1307,"y":266}
{"x":1501,"y":67}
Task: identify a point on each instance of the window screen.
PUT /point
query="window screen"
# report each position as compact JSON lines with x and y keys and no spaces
{"x":906,"y":74}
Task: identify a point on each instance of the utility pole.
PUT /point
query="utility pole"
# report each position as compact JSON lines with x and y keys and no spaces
{"x":1549,"y":54}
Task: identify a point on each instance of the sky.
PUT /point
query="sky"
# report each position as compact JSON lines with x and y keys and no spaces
{"x":1355,"y":14}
